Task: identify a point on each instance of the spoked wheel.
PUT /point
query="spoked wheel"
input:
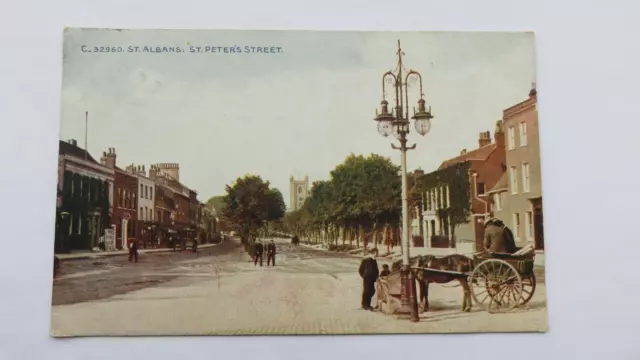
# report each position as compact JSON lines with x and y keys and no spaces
{"x":528,"y":288}
{"x":496,"y":285}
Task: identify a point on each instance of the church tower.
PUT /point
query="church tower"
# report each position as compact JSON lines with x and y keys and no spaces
{"x":298,"y":192}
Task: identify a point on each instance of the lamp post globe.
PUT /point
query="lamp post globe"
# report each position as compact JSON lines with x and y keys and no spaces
{"x":384,"y":119}
{"x":422,"y":118}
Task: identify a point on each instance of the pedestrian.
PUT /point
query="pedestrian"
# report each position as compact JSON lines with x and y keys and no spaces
{"x":271,"y":253}
{"x":56,"y":266}
{"x":257,"y":253}
{"x":369,"y":273}
{"x":133,"y":251}
{"x":195,"y":245}
{"x":385,"y":271}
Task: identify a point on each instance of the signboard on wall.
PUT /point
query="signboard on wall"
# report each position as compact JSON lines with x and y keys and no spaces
{"x":109,"y":239}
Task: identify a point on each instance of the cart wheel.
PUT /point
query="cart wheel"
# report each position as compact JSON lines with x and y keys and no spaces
{"x":528,"y":288}
{"x":496,"y":285}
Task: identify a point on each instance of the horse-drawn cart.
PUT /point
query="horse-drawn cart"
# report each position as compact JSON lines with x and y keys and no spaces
{"x":497,"y":282}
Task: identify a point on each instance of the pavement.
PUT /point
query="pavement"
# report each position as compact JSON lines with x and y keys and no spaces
{"x":98,"y":254}
{"x":310,"y":291}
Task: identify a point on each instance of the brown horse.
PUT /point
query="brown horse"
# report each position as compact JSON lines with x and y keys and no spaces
{"x":448,"y":268}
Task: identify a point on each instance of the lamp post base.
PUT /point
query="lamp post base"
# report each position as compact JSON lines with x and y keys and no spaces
{"x":408,"y":299}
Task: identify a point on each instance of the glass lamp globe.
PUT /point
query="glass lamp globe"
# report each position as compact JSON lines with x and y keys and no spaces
{"x":423,"y":126}
{"x":384,"y":128}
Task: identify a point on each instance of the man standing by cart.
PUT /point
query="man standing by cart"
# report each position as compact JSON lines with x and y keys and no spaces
{"x":369,"y":273}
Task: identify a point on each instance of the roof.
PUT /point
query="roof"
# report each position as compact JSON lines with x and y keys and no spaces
{"x":66,"y":148}
{"x":501,"y":185}
{"x":480,"y":154}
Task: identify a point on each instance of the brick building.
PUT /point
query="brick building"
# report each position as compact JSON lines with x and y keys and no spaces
{"x":487,"y":164}
{"x":125,"y":196}
{"x":517,"y":198}
{"x":145,"y":231}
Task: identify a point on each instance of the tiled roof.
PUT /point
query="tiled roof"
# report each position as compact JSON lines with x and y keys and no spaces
{"x":500,"y":185}
{"x":480,"y":154}
{"x":66,"y":148}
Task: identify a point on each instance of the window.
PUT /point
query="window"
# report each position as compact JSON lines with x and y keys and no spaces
{"x":528,"y":223}
{"x":516,"y":226}
{"x":512,"y":138}
{"x":141,"y":190}
{"x":526,"y":184}
{"x":299,"y":189}
{"x":513,"y":176}
{"x":480,"y":189}
{"x":150,"y":215}
{"x":150,"y":193}
{"x":523,"y":134}
{"x":141,"y":212}
{"x":146,"y":192}
{"x":497,"y":202}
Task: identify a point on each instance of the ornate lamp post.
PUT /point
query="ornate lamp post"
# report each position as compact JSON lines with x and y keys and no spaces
{"x":397,"y":123}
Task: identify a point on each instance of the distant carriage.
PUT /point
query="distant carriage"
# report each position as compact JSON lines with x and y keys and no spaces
{"x":496,"y":281}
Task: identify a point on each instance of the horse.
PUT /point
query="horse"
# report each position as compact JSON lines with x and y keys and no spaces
{"x":457,"y":263}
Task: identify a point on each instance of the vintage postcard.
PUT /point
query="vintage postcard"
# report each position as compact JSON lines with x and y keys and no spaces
{"x":298,"y":182}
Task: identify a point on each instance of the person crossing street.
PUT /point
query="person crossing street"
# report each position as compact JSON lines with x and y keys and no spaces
{"x":271,"y":253}
{"x":258,"y":250}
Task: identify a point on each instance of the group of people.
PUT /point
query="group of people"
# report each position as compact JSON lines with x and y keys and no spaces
{"x":259,"y":249}
{"x":498,"y":238}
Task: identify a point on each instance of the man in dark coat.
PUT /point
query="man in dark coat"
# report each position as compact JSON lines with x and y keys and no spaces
{"x":369,"y":273}
{"x":271,"y":253}
{"x":258,"y":249}
{"x":498,"y":238}
{"x":133,"y":251}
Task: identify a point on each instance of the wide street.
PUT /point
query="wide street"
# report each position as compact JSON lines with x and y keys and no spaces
{"x":219,"y":291}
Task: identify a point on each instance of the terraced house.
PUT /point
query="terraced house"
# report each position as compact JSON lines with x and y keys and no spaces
{"x":85,"y":189}
{"x":517,"y":198}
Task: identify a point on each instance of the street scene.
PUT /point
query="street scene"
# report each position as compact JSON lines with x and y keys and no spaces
{"x":221,"y":292}
{"x":400,"y":192}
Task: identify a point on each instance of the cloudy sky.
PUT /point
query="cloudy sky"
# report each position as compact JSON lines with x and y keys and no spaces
{"x":300,"y":111}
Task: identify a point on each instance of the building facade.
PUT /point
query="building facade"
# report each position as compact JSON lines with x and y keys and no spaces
{"x":84,"y":199}
{"x":517,"y":199}
{"x":146,"y":209}
{"x":487,"y":164}
{"x":298,"y":192}
{"x":125,"y":200}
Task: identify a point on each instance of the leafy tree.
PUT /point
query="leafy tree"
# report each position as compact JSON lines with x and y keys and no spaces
{"x":249,"y":204}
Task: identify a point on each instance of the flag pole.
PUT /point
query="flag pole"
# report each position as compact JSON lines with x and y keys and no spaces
{"x":86,"y":129}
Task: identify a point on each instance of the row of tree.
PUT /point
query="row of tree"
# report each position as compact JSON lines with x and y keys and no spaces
{"x":360,"y":202}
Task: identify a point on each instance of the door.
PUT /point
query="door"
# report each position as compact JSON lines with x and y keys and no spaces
{"x":538,"y":228}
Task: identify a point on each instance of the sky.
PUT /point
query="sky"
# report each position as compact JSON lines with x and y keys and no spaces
{"x":298,"y":111}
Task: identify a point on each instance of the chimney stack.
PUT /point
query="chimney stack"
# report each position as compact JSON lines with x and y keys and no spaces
{"x":484,"y":139}
{"x":108,"y":159}
{"x":533,"y":92}
{"x":73,"y":142}
{"x":499,"y":134}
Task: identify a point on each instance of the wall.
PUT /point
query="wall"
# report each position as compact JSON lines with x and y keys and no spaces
{"x":146,"y":197}
{"x":525,"y":112}
{"x":125,"y":201}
